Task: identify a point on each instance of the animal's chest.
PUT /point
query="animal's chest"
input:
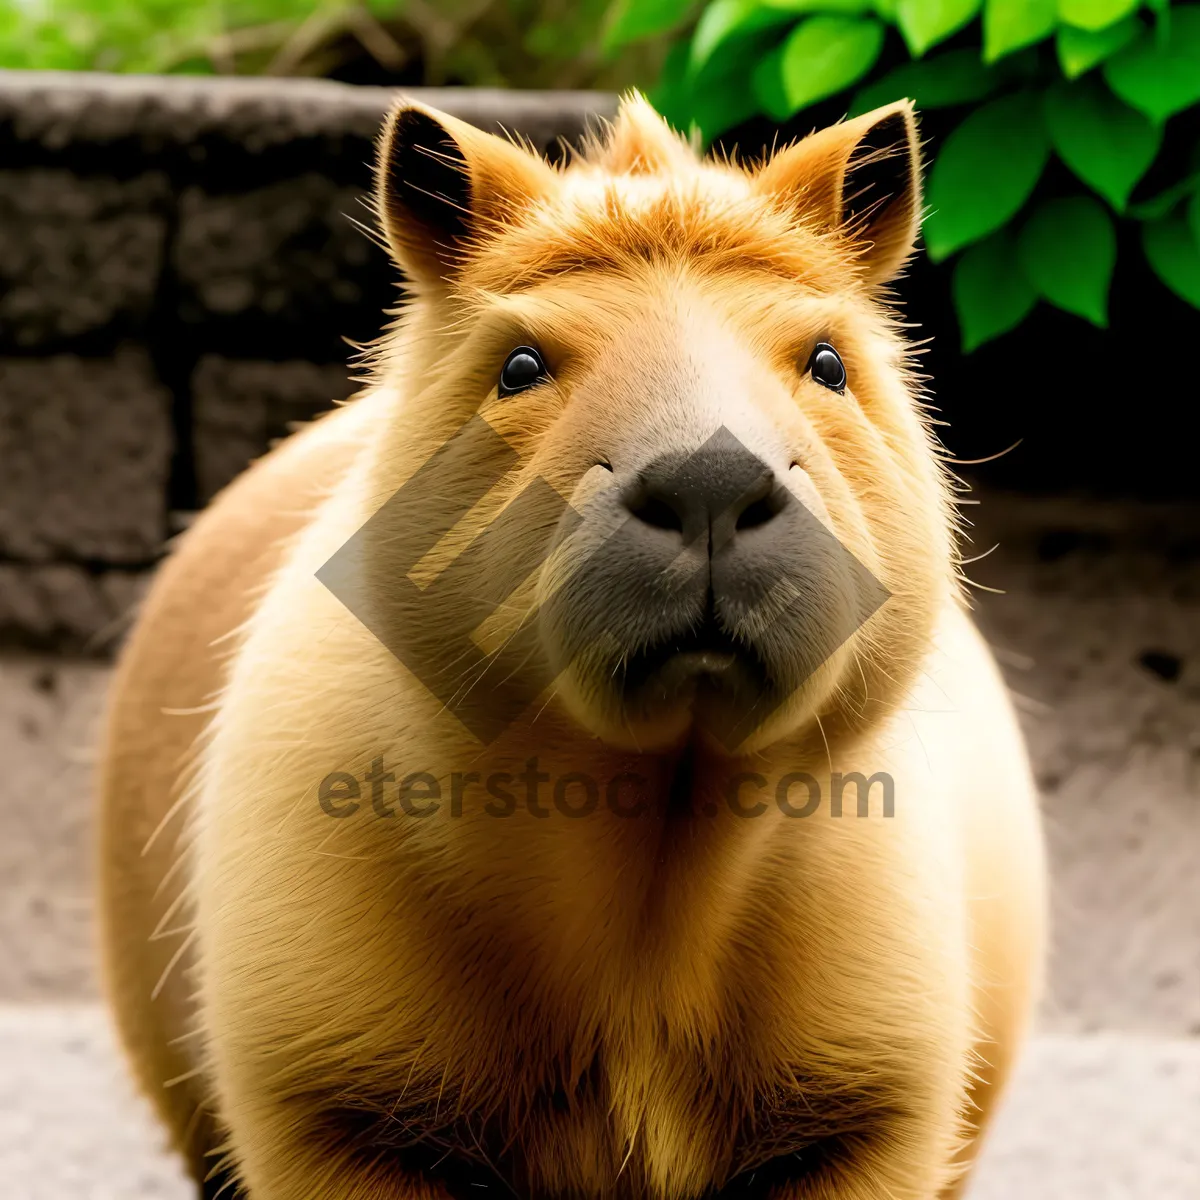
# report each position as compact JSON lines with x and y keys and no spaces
{"x":727,"y":1045}
{"x":628,"y":1124}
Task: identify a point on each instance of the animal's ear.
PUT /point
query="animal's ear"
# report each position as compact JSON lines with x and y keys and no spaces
{"x":863,"y":178}
{"x":441,"y":183}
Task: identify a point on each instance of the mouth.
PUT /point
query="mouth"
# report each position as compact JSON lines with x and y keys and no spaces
{"x":705,"y":659}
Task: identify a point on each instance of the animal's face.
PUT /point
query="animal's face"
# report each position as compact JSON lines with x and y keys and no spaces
{"x":695,"y":358}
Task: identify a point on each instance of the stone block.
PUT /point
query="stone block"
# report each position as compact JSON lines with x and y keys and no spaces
{"x":286,"y":253}
{"x":77,"y":255}
{"x":85,"y":445}
{"x":239,"y":408}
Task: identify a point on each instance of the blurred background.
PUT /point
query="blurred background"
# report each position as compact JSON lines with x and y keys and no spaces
{"x":183,"y":276}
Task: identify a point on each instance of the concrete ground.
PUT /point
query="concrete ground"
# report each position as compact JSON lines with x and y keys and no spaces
{"x":1098,"y":629}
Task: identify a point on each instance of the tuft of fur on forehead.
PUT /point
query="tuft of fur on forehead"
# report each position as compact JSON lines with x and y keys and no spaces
{"x":638,"y":142}
{"x":835,"y":211}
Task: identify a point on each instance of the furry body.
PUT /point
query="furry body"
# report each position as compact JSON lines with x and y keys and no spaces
{"x":691,"y":1003}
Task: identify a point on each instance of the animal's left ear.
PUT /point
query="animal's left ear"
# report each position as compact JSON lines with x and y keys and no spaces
{"x":863,"y":178}
{"x":441,"y":185}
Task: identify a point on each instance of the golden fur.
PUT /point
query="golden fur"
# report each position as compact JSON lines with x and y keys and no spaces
{"x":369,"y":1008}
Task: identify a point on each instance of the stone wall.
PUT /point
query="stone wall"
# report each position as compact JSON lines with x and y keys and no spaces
{"x":180,"y":273}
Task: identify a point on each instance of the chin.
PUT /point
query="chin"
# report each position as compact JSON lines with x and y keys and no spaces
{"x":716,"y":694}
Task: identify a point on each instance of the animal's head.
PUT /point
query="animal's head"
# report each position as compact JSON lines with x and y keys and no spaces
{"x":697,"y":356}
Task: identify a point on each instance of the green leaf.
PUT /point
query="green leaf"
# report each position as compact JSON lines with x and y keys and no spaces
{"x":721,"y":106}
{"x":821,"y":56}
{"x":1010,"y":24}
{"x":991,"y":295}
{"x":1079,"y":50}
{"x":1095,"y":14}
{"x":1160,"y":75}
{"x":957,"y":77}
{"x":1068,"y":249}
{"x":632,"y":20}
{"x":985,"y":172}
{"x":1193,"y":217}
{"x":767,"y":85}
{"x":924,"y":23}
{"x":1172,"y":252}
{"x":1106,"y":143}
{"x":1159,"y":206}
{"x":671,"y":96}
{"x":714,"y":98}
{"x":728,"y":20}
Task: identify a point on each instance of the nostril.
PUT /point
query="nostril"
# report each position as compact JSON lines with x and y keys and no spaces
{"x":756,"y":514}
{"x":658,"y":514}
{"x":763,"y":503}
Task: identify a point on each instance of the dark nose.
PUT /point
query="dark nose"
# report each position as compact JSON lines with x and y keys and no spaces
{"x":714,"y":493}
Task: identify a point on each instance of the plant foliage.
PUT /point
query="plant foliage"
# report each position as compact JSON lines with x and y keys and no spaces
{"x":1104,"y":88}
{"x":519,"y":43}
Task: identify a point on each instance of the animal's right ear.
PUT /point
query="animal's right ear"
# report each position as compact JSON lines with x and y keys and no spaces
{"x":861,"y":178}
{"x":441,"y":183}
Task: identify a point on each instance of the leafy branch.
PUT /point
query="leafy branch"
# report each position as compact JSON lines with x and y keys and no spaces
{"x":1095,"y":84}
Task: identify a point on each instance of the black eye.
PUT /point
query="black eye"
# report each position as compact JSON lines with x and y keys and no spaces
{"x":521,"y":370}
{"x":826,"y":367}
